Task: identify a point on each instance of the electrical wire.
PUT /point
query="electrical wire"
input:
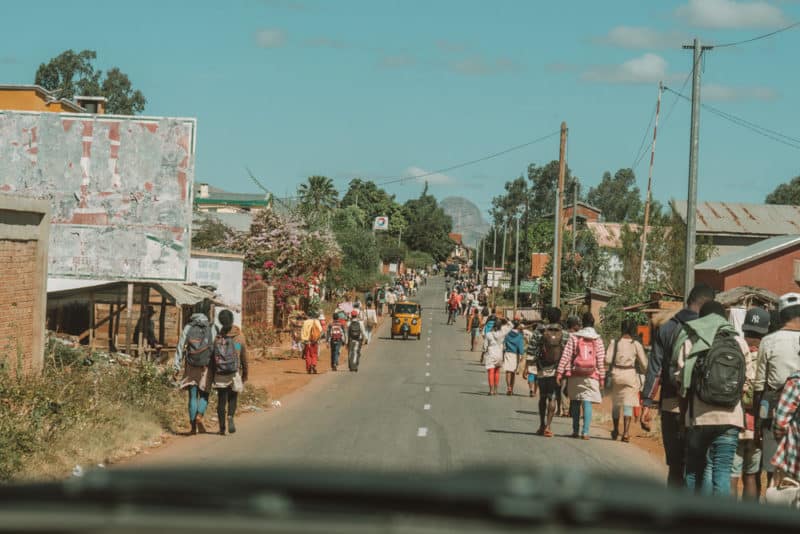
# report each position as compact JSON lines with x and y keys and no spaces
{"x":641,"y":150}
{"x":774,"y":135}
{"x":759,"y":37}
{"x":401,"y":179}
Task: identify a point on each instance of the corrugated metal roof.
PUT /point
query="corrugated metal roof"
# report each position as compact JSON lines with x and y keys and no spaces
{"x":181,"y":294}
{"x":215,"y":193}
{"x":185,"y":294}
{"x":752,"y":219}
{"x":749,"y":253}
{"x":609,"y":235}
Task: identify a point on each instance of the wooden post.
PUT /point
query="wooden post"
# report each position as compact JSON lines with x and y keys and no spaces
{"x":129,"y":312}
{"x":144,"y":297}
{"x":649,"y":189}
{"x":557,"y":248}
{"x":92,"y":320}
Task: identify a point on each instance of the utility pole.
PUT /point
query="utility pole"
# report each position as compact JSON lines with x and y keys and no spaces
{"x":516,"y":270}
{"x":694,"y":146}
{"x":494,"y":263}
{"x":649,"y":188}
{"x":556,"y":297}
{"x":574,"y":214}
{"x":505,"y":238}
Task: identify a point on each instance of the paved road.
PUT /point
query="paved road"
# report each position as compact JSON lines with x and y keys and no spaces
{"x":413,"y":405}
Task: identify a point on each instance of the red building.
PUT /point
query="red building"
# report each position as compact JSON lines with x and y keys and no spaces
{"x":772,"y":264}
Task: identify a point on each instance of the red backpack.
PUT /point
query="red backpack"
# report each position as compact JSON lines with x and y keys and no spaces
{"x":584,"y":363}
{"x":337,"y":332}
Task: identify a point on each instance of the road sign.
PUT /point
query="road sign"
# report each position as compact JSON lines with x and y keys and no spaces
{"x":529,"y":286}
{"x":381,"y":223}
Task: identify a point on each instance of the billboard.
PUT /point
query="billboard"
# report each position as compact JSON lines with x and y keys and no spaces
{"x":224,"y":272}
{"x":120,"y":190}
{"x":381,"y":223}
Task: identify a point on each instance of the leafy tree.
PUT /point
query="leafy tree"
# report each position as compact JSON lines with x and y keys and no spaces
{"x":390,"y":250}
{"x":317,"y":195}
{"x":71,"y":73}
{"x":211,"y":233}
{"x":618,"y":197}
{"x":544,"y":184}
{"x":418,"y":260}
{"x":428,"y":226}
{"x":788,"y":193}
{"x":360,"y":257}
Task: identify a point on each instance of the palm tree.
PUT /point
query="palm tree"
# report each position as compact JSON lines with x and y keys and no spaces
{"x":318,"y":194}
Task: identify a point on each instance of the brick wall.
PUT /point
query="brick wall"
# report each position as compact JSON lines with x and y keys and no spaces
{"x":17,"y":276}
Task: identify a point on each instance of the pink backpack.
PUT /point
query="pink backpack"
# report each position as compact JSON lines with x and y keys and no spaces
{"x":584,"y":363}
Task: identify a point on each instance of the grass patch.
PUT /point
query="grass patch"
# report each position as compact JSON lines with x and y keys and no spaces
{"x":85,"y":409}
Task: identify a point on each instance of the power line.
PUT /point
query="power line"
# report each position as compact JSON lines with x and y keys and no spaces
{"x":759,"y":37}
{"x":641,"y":150}
{"x":760,"y":130}
{"x":401,"y":179}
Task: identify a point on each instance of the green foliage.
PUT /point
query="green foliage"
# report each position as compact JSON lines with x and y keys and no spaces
{"x":618,"y":197}
{"x":544,"y":184}
{"x":318,"y":196}
{"x":613,"y":314}
{"x":83,"y":409}
{"x":360,"y":255}
{"x":390,"y":250}
{"x":210,"y":234}
{"x":788,"y":193}
{"x":418,"y":260}
{"x":70,"y":74}
{"x":428,"y":227}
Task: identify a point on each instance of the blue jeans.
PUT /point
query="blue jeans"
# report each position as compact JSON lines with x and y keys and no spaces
{"x":198,"y":401}
{"x":714,"y":446}
{"x":575,"y":412}
{"x":336,"y":349}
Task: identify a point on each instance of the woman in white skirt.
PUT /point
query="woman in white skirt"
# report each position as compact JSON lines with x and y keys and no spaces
{"x":493,"y":347}
{"x":621,"y":358}
{"x":513,"y":348}
{"x":583,"y":364}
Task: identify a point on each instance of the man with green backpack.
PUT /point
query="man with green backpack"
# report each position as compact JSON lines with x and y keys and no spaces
{"x":709,"y":367}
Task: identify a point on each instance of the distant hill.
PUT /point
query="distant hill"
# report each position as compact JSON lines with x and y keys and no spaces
{"x":467,"y":219}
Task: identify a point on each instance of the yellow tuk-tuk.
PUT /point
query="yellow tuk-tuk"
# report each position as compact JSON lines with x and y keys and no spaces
{"x":407,"y":320}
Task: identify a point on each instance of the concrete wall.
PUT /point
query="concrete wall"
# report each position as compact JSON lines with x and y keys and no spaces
{"x":24,"y":226}
{"x":774,"y":272}
{"x":119,"y":190}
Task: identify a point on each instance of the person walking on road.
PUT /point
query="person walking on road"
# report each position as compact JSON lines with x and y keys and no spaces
{"x":355,"y":336}
{"x":621,"y":358}
{"x":493,"y":347}
{"x":573,"y":325}
{"x":391,"y":300}
{"x":473,"y":327}
{"x":747,"y":462}
{"x":583,"y":365}
{"x":370,"y":322}
{"x":453,"y":304}
{"x":710,"y":358}
{"x":337,"y":338}
{"x":777,"y":360}
{"x":488,"y":326}
{"x":548,"y":344}
{"x":310,"y":335}
{"x":230,"y":370}
{"x":193,"y":354}
{"x":513,"y":348}
{"x":659,"y":379}
{"x":786,"y":427}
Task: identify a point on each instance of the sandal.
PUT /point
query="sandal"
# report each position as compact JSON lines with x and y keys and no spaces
{"x":540,"y":432}
{"x":615,"y":435}
{"x":575,"y":436}
{"x":509,"y":392}
{"x":548,"y":433}
{"x":626,"y":439}
{"x":585,"y":437}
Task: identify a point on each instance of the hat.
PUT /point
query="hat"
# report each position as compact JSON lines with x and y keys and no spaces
{"x":321,"y":316}
{"x":756,"y":320}
{"x":788,"y":300}
{"x":354,"y":313}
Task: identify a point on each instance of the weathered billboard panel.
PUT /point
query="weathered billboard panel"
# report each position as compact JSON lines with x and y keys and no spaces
{"x":120,"y":190}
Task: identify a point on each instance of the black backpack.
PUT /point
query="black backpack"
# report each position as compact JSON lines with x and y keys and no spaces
{"x":226,"y":360}
{"x":198,"y":345}
{"x":354,"y":331}
{"x":719,"y":373}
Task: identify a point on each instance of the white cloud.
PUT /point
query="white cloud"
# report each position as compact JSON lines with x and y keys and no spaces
{"x":434,"y":179}
{"x":714,"y":91}
{"x":639,"y":37}
{"x":270,"y":38}
{"x":725,"y":14}
{"x":398,"y":61}
{"x":649,"y":68}
{"x":479,"y":66}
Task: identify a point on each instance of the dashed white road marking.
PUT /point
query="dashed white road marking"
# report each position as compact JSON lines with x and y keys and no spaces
{"x":426,"y":407}
{"x":427,"y":364}
{"x":422,"y":432}
{"x":427,"y":389}
{"x":427,"y":374}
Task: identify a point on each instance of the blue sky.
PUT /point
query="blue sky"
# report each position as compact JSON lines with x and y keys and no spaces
{"x":380,"y":89}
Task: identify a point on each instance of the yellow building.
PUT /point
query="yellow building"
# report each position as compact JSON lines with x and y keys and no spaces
{"x":36,"y":98}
